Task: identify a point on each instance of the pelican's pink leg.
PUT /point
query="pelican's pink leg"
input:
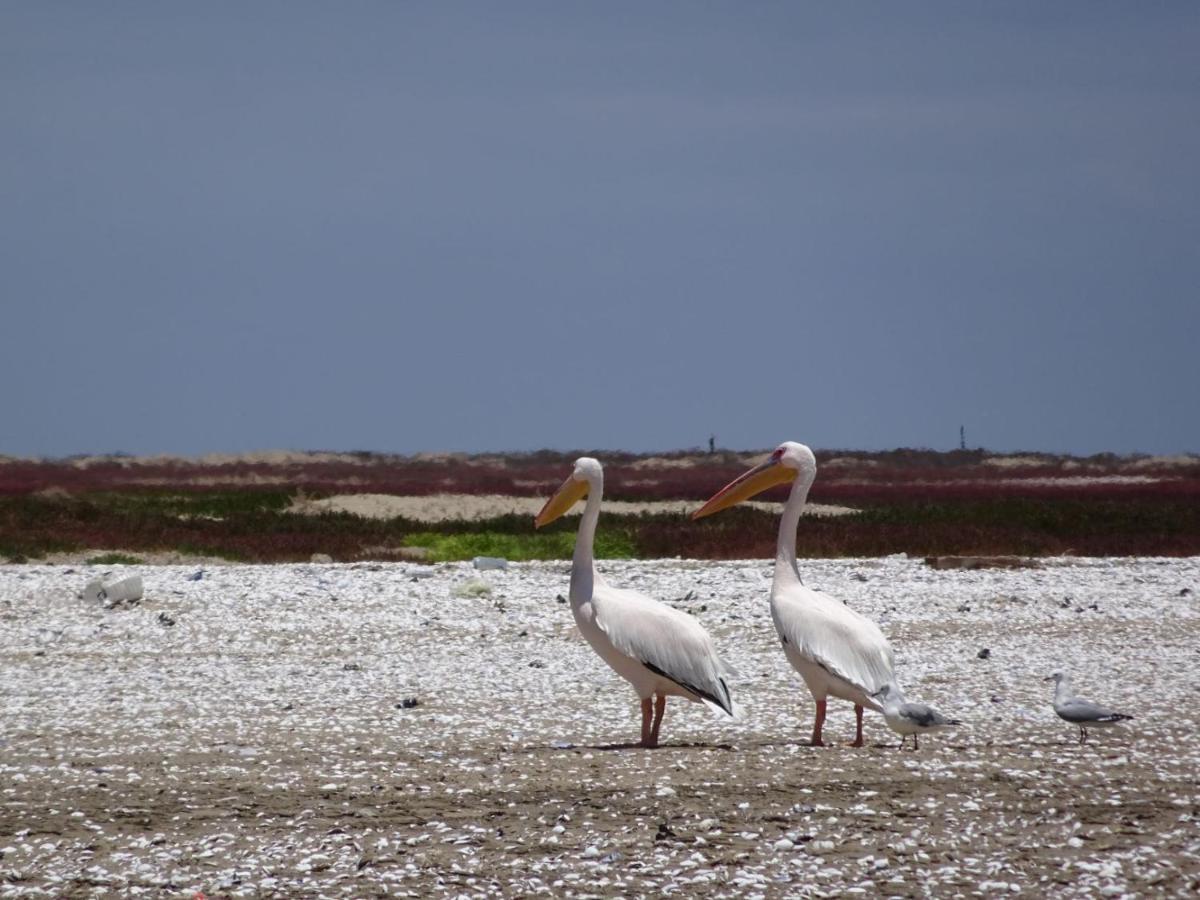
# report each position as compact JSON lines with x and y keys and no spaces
{"x":858,"y":738}
{"x":660,"y":705}
{"x":817,"y":724}
{"x":646,"y":723}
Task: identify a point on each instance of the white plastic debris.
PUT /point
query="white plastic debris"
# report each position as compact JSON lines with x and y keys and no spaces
{"x":126,"y":590}
{"x":489,"y":562}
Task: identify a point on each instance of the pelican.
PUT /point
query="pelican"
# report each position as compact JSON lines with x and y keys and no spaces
{"x":659,"y":650}
{"x":836,"y":651}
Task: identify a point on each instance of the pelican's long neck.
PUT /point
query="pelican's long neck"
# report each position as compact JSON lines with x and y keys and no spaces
{"x":583,"y":569}
{"x":786,"y":568}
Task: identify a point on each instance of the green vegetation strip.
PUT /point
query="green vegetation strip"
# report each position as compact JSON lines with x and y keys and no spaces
{"x":516,"y":547}
{"x":254,"y":526}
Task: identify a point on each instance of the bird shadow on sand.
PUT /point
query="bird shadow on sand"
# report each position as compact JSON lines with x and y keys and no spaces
{"x":565,"y":747}
{"x":828,"y":745}
{"x":633,"y":745}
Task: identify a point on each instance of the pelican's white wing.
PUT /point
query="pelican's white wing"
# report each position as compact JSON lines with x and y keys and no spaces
{"x":668,"y":642}
{"x":833,"y":636}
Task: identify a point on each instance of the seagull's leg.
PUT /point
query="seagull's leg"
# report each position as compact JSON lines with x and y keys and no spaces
{"x":660,"y":706}
{"x":817,"y":723}
{"x":903,"y":739}
{"x":1082,"y":734}
{"x":916,"y":743}
{"x":646,"y":722}
{"x":858,"y":738}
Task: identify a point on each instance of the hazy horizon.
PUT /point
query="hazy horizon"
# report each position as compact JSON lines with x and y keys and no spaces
{"x":274,"y":454}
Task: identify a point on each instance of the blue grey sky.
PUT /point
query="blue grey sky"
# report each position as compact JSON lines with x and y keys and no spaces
{"x":483,"y":226}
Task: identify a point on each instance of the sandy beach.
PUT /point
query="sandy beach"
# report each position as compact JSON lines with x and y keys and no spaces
{"x":403,"y":730}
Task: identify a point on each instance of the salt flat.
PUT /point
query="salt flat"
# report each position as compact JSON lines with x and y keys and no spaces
{"x":252,"y":732}
{"x":476,"y":507}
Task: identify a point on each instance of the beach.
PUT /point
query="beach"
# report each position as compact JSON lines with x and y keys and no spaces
{"x":390,"y":729}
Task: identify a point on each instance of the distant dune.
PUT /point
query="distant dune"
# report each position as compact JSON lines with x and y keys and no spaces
{"x":476,"y":507}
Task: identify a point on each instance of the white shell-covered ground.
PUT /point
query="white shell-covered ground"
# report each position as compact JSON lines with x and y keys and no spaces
{"x":382,"y":730}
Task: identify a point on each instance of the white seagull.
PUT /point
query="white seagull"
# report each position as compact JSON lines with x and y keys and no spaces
{"x":836,"y":651}
{"x":907,"y":718}
{"x":1080,"y":712}
{"x":659,"y":650}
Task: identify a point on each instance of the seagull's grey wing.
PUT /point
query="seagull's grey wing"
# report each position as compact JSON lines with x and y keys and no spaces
{"x":924,"y":716}
{"x":1083,"y":711}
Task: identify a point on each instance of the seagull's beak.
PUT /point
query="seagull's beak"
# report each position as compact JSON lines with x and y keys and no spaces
{"x":1048,"y":678}
{"x":757,"y":480}
{"x":564,"y":498}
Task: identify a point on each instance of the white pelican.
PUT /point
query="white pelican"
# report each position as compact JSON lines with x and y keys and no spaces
{"x":907,"y":718}
{"x":659,"y":650}
{"x":1078,"y":711}
{"x":835,"y":650}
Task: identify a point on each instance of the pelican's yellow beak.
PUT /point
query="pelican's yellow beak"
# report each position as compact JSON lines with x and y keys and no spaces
{"x":564,"y":498}
{"x":757,"y":480}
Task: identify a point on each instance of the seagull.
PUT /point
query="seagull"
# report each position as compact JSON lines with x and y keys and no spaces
{"x":906,"y":718}
{"x":658,"y":649}
{"x":836,"y":651}
{"x":1078,"y":711}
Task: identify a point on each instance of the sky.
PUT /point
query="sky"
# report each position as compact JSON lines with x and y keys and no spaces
{"x":411,"y":227}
